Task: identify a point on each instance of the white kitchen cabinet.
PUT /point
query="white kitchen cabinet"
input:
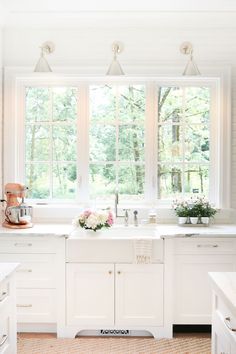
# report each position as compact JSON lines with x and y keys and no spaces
{"x":139,"y":294}
{"x":192,"y":260}
{"x":90,"y":294}
{"x":7,"y":309}
{"x":114,"y":295}
{"x":40,"y":279}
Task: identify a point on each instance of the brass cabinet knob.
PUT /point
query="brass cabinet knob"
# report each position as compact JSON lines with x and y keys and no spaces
{"x":110,"y":272}
{"x":119,"y":272}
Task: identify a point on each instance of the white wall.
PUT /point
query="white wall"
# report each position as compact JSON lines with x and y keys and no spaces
{"x":146,"y":46}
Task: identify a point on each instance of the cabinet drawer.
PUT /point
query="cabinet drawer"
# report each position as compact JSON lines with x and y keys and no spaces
{"x":5,"y":333}
{"x":35,"y":270}
{"x":36,"y":305}
{"x":201,"y":245}
{"x":28,"y":245}
{"x":107,"y":251}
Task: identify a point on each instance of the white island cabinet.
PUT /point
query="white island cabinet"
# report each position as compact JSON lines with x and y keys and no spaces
{"x":224,"y":312}
{"x":107,"y":291}
{"x":7,"y":308}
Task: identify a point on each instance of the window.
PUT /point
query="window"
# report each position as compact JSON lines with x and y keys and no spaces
{"x":149,"y":140}
{"x":50,"y":144}
{"x":183,"y":141}
{"x":117,"y":144}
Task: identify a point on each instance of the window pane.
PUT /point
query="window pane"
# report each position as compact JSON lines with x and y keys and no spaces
{"x":38,"y":180}
{"x":102,"y":103}
{"x":102,"y":180}
{"x":131,"y":180}
{"x":170,"y":143}
{"x":37,"y":104}
{"x":64,"y":103}
{"x":64,"y":143}
{"x":132,"y":103}
{"x":170,"y":104}
{"x":131,"y":143}
{"x":196,"y":179}
{"x":197,"y":141}
{"x":64,"y":181}
{"x":102,"y":142}
{"x":37,"y":144}
{"x":197,"y":106}
{"x":169,"y":181}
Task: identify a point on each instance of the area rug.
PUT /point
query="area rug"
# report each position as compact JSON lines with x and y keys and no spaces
{"x":83,"y":345}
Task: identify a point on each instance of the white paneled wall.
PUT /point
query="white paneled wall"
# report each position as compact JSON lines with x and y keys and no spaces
{"x":148,"y":46}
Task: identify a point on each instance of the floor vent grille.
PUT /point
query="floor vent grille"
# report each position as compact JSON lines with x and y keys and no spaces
{"x":114,"y":332}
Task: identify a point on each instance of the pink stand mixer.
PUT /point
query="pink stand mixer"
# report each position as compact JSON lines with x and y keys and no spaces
{"x":18,"y":214}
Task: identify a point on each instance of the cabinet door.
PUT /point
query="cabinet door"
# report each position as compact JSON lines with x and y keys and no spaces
{"x":139,"y":294}
{"x":192,"y":296}
{"x":90,"y":294}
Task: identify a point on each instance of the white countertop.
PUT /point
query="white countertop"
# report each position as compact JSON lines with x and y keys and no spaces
{"x":225,"y":284}
{"x":6,"y":270}
{"x":154,"y":231}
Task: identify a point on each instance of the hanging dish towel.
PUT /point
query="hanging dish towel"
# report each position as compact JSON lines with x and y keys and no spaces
{"x":142,"y":251}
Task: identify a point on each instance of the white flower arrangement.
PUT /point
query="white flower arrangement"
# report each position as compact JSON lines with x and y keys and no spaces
{"x":93,"y":220}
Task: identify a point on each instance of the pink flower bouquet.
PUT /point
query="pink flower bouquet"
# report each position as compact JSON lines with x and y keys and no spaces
{"x":94,"y":220}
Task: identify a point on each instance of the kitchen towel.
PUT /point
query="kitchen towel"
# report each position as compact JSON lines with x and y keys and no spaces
{"x":142,"y":251}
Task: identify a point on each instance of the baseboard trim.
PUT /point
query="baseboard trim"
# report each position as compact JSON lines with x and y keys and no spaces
{"x":192,"y":328}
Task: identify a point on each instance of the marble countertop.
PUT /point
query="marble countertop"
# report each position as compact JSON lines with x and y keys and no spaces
{"x":120,"y":231}
{"x":224,"y":284}
{"x":6,"y":270}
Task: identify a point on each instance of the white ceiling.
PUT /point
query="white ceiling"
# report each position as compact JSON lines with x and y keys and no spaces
{"x":128,"y":13}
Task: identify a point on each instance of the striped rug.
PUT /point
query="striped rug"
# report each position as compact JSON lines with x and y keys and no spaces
{"x":91,"y":345}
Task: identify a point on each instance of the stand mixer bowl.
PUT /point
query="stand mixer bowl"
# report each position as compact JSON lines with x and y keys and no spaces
{"x":21,"y":214}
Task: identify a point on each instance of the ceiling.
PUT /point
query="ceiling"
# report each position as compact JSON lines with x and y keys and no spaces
{"x":128,"y":13}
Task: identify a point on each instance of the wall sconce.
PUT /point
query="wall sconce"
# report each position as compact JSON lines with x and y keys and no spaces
{"x":115,"y":68}
{"x":42,"y":64}
{"x":191,"y":68}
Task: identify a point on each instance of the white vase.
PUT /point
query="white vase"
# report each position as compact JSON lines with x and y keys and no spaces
{"x":90,"y":233}
{"x":182,"y":220}
{"x":205,"y":220}
{"x":194,"y":220}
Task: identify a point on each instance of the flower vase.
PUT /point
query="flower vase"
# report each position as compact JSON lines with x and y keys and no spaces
{"x":91,"y":233}
{"x":205,"y":220}
{"x":193,"y":220}
{"x":182,"y":220}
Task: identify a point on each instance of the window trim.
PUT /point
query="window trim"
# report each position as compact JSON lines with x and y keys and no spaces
{"x":16,"y":80}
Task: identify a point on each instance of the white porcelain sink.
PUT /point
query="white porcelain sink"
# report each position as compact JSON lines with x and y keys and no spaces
{"x":120,"y":231}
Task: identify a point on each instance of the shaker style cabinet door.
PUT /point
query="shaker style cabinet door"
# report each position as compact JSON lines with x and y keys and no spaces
{"x":139,"y":294}
{"x":192,"y":290}
{"x":90,"y":294}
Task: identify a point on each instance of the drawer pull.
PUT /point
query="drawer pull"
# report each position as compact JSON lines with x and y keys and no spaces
{"x":110,"y":271}
{"x":208,"y":246}
{"x":24,"y":271}
{"x":3,"y":296}
{"x":22,"y":244}
{"x":119,"y":272}
{"x":4,"y":339}
{"x":227,"y":322}
{"x":24,"y":305}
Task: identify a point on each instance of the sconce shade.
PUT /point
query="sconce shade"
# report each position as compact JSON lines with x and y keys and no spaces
{"x":115,"y":68}
{"x":191,"y":68}
{"x":42,"y":66}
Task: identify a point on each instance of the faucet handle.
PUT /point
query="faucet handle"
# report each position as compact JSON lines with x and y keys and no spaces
{"x":135,"y":212}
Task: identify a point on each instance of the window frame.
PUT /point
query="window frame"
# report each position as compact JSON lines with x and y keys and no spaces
{"x":220,"y":145}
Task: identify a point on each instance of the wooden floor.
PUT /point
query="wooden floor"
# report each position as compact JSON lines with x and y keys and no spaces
{"x":191,"y":343}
